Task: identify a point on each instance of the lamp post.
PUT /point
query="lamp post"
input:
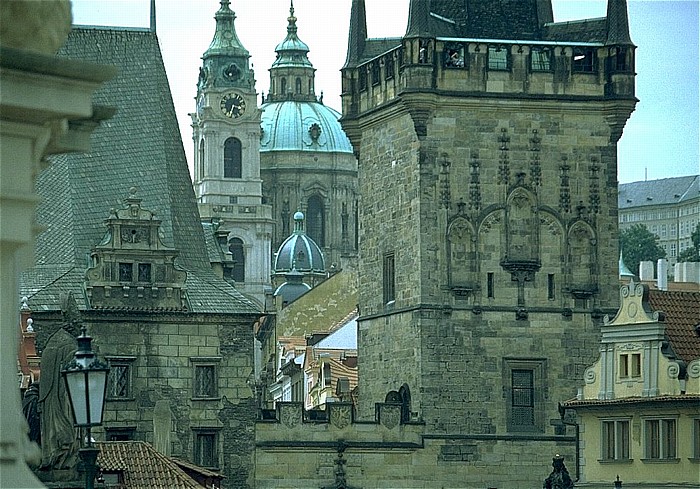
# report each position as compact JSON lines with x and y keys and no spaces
{"x":86,"y":383}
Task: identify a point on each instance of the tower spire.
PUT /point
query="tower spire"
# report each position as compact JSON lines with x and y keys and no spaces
{"x":618,"y":23}
{"x":357,"y":34}
{"x":418,"y":18}
{"x":153,"y":15}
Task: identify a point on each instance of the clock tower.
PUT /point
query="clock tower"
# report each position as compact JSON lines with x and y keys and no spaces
{"x":226,"y":136}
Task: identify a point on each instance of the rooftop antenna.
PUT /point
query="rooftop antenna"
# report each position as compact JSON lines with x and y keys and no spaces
{"x":645,"y":173}
{"x":153,"y":15}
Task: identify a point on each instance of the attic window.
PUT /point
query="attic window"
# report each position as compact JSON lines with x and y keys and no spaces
{"x":126,"y":272}
{"x":454,"y":56}
{"x":144,"y":272}
{"x":540,"y":59}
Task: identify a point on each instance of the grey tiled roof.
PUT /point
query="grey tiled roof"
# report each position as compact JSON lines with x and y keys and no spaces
{"x":588,"y":30}
{"x":213,"y":248}
{"x":139,"y":147}
{"x":658,"y":192}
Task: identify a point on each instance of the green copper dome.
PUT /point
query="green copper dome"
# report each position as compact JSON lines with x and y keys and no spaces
{"x":292,"y":52}
{"x":302,"y":126}
{"x":226,"y":40}
{"x":299,"y":252}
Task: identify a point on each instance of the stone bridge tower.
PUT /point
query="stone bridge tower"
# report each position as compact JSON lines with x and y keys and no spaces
{"x":487,"y":142}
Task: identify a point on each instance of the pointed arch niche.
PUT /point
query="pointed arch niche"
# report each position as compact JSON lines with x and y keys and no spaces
{"x":461,"y":256}
{"x":522,"y":227}
{"x":581,"y":260}
{"x":316,"y":219}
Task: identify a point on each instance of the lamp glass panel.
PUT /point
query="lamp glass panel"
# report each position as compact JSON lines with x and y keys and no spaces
{"x":96,"y":388}
{"x":76,"y":382}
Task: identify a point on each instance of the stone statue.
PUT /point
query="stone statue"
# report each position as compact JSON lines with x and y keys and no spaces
{"x":30,"y":409}
{"x":59,"y":439}
{"x":559,"y":478}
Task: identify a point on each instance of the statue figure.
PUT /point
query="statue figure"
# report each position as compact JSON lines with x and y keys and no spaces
{"x":59,"y":439}
{"x":559,"y":478}
{"x":30,"y":409}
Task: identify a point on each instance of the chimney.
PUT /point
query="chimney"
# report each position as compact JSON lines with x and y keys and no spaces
{"x":646,"y":271}
{"x":662,"y":274}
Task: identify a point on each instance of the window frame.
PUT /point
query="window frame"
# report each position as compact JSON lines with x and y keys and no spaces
{"x":665,"y":447}
{"x":630,"y":366}
{"x":233,"y":163}
{"x":620,"y":441}
{"x":389,"y":278}
{"x":198,"y":434}
{"x":537,"y":366}
{"x":494,"y":64}
{"x":205,"y":362}
{"x":115,"y":362}
{"x":589,"y":54}
{"x":541,"y":50}
{"x":120,"y":433}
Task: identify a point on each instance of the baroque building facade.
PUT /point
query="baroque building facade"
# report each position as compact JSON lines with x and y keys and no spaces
{"x":486,"y":139}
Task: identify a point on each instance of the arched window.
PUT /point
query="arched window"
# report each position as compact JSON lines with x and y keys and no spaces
{"x":298,"y":85}
{"x":201,"y":159}
{"x":233,"y":165}
{"x":283,"y":88}
{"x":316,"y":220}
{"x":235,"y":246}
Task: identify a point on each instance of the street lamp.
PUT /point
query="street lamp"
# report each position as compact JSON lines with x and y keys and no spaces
{"x":86,"y":382}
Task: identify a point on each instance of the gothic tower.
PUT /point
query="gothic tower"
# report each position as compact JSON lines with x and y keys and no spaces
{"x":487,"y":141}
{"x":226,"y":134}
{"x":307,"y":162}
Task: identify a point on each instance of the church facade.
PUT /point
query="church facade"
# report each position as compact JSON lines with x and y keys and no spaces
{"x":488,"y":249}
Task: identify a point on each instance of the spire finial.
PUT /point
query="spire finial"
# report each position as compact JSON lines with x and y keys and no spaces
{"x":153,"y":15}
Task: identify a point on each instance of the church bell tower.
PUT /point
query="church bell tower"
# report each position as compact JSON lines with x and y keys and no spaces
{"x":226,"y":135}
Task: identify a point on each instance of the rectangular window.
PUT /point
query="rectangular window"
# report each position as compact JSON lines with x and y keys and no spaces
{"x":660,"y":439}
{"x":205,"y":384}
{"x":540,"y":59}
{"x":389,"y":278}
{"x":454,"y":56}
{"x":119,"y":378}
{"x":616,"y":440}
{"x":673,"y":250}
{"x":522,"y":398}
{"x":144,"y":272}
{"x":498,"y":58}
{"x":584,"y":60}
{"x":630,"y":365}
{"x":489,"y":285}
{"x":126,"y":272}
{"x":206,"y":452}
{"x":550,"y":286}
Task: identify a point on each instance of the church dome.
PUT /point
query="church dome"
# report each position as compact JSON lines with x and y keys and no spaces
{"x":299,"y":252}
{"x":302,"y":126}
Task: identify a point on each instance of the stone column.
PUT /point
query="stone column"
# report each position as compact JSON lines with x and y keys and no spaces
{"x":40,"y":95}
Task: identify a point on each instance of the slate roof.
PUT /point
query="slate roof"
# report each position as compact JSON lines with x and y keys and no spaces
{"x":588,"y":30}
{"x":682,"y":310}
{"x":658,"y":192}
{"x":140,"y":147}
{"x":142,"y":466}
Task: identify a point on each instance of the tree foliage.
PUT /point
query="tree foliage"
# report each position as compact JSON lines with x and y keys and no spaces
{"x":693,"y":252}
{"x":639,"y":244}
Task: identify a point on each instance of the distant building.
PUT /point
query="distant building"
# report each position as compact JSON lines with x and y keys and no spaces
{"x":639,"y":409}
{"x":669,"y":208}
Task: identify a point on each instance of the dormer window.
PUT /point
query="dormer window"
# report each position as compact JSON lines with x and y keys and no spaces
{"x":144,"y":272}
{"x":630,"y":365}
{"x":126,"y":272}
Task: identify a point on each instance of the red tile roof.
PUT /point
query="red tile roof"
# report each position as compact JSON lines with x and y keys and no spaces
{"x":693,"y":399}
{"x":682,"y":311}
{"x":142,"y":466}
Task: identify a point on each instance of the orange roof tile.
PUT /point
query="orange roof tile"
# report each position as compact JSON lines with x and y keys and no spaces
{"x":143,"y":467}
{"x":682,"y":311}
{"x":693,"y":399}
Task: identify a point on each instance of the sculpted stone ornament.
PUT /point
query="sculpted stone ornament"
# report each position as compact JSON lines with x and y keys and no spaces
{"x":559,"y":478}
{"x":59,"y":439}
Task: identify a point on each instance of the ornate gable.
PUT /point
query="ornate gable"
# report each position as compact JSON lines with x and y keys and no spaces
{"x":131,"y":268}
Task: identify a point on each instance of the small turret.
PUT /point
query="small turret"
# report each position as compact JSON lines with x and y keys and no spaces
{"x":357,"y":34}
{"x":618,"y":30}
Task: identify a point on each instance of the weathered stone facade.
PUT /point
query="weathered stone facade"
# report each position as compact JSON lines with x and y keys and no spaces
{"x":488,"y":238}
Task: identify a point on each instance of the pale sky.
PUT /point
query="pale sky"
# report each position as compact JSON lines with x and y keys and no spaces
{"x":661,"y":139}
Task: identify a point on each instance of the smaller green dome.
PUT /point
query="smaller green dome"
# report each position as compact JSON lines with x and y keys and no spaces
{"x":299,"y":252}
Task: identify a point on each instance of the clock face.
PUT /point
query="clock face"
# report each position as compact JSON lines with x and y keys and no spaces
{"x":232,"y":105}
